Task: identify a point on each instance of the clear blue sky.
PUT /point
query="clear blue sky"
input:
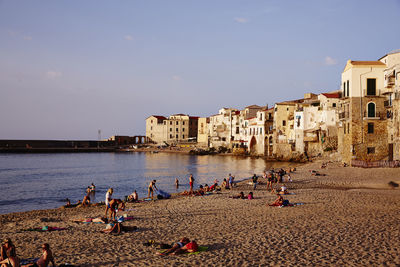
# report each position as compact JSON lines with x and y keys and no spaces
{"x":69,"y":68}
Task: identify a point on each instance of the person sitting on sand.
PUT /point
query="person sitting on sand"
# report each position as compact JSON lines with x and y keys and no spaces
{"x":133,"y":197}
{"x":109,"y":193}
{"x":12,"y":260}
{"x":278,"y":201}
{"x":225,"y":184}
{"x":115,"y":205}
{"x":45,"y":259}
{"x":86,"y":200}
{"x":206,"y":188}
{"x":250,"y":195}
{"x":151,"y":188}
{"x":6,"y":245}
{"x":241,"y":196}
{"x":178,"y":245}
{"x":283,"y":190}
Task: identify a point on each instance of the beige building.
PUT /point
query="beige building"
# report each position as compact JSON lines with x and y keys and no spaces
{"x":155,"y":128}
{"x":202,"y":132}
{"x":175,"y":129}
{"x":392,"y":103}
{"x":362,"y":131}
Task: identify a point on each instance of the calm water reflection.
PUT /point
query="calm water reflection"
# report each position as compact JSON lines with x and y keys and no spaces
{"x":40,"y":181}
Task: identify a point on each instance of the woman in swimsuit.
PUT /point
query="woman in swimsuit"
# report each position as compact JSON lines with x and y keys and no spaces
{"x":152,"y":187}
{"x":12,"y":260}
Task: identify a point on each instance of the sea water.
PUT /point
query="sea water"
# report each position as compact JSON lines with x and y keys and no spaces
{"x":43,"y":181}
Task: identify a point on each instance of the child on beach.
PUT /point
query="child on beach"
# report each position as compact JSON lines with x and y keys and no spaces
{"x":250,"y":196}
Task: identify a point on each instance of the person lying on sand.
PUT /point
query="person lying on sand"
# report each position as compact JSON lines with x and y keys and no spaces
{"x":45,"y":259}
{"x":117,"y":228}
{"x":12,"y":260}
{"x":94,"y":220}
{"x":241,"y":196}
{"x":184,"y":245}
{"x":250,"y":196}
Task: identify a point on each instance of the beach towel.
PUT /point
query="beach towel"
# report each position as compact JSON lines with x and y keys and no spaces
{"x":45,"y":229}
{"x":164,"y":194}
{"x":28,"y":261}
{"x":200,"y":249}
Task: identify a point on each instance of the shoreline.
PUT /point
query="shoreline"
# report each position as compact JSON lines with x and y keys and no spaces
{"x":348,"y":217}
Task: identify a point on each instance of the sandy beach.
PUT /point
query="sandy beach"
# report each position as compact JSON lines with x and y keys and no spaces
{"x":348,"y":217}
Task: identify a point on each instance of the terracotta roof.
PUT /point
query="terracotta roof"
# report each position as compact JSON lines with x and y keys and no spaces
{"x":158,"y":117}
{"x":253,"y":106}
{"x":328,"y":95}
{"x":358,"y":63}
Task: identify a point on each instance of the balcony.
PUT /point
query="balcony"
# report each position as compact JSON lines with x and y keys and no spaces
{"x":367,"y":93}
{"x":378,"y":116}
{"x":387,"y":104}
{"x":343,"y":115}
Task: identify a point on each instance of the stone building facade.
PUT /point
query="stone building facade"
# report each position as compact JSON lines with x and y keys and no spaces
{"x":362,"y":131}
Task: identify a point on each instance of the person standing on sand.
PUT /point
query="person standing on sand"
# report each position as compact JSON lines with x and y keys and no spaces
{"x":255,"y":179}
{"x":152,"y":187}
{"x":191,"y":181}
{"x":176,"y":183}
{"x":230,"y":180}
{"x":109,"y":193}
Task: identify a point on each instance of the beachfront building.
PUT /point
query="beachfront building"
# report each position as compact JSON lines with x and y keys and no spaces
{"x":222,"y":126}
{"x":155,"y":128}
{"x":362,"y":131}
{"x":315,"y":124}
{"x":175,"y":129}
{"x":391,"y":91}
{"x":284,"y":138}
{"x":202,"y":132}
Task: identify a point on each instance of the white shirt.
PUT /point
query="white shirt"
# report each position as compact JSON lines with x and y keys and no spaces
{"x":108,"y":195}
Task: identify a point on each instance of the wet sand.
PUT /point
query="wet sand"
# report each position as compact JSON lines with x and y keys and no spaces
{"x":348,"y":217}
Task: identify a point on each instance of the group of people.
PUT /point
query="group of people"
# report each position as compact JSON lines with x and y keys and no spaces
{"x":242,"y":196}
{"x":9,"y":256}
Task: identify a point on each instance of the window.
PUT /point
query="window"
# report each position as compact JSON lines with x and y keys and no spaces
{"x":269,"y":116}
{"x":334,"y":105}
{"x":183,"y":123}
{"x":370,"y":127}
{"x":283,"y":123}
{"x":151,"y":128}
{"x":176,"y":136}
{"x":170,"y":129}
{"x":237,"y":130}
{"x":170,"y":123}
{"x":183,"y":129}
{"x":344,"y":89}
{"x":176,"y":129}
{"x":348,"y":88}
{"x":371,"y":86}
{"x":344,"y":128}
{"x":165,"y":123}
{"x":287,"y":109}
{"x":151,"y":121}
{"x":291,"y":126}
{"x":260,"y":116}
{"x":370,"y":150}
{"x":371,"y":110}
{"x":223,"y":139}
{"x":177,"y":123}
{"x":348,"y":127}
{"x":183,"y":136}
{"x":260,"y":130}
{"x":170,"y":136}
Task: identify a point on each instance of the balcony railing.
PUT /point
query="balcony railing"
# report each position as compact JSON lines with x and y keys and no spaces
{"x":378,"y":116}
{"x":344,"y":115}
{"x":378,"y":92}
